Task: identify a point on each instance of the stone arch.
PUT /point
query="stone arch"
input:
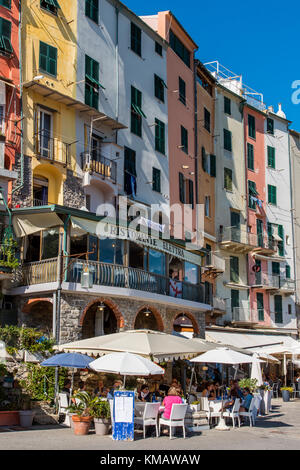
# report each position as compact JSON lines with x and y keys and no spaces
{"x":156,"y":314}
{"x":39,"y":314}
{"x":110,"y":304}
{"x":191,"y":317}
{"x":31,"y":302}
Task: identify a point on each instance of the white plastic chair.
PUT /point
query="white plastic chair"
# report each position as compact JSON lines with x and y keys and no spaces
{"x":294,"y":391}
{"x":251,"y":412}
{"x":176,"y":418}
{"x":149,"y":417}
{"x":234,"y":413}
{"x":210,"y":413}
{"x":63,"y":403}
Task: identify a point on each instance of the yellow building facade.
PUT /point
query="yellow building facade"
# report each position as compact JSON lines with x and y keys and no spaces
{"x":48,"y":81}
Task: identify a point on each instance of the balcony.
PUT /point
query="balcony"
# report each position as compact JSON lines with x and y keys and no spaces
{"x":287,"y":286}
{"x":219,"y":306}
{"x":213,"y":266}
{"x":265,"y":281}
{"x":266,"y":245}
{"x":237,"y":240}
{"x":95,"y":163}
{"x":104,"y":274}
{"x":242,"y":316}
{"x":51,"y":148}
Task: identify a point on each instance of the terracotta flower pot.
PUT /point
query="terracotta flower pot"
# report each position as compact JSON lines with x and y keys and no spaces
{"x":9,"y":418}
{"x":81,"y":424}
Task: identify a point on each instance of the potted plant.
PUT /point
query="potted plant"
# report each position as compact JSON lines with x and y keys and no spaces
{"x":101,"y":415}
{"x":265,"y":392}
{"x":249,"y":383}
{"x":286,"y":391}
{"x":82,"y":410}
{"x":26,"y":413}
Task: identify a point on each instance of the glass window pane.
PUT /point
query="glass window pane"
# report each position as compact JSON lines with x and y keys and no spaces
{"x":119,"y":251}
{"x":156,"y":262}
{"x":190,"y":273}
{"x":50,"y":243}
{"x":107,"y":250}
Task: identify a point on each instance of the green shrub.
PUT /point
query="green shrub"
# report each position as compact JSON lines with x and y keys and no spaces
{"x":32,"y":340}
{"x":40,"y":383}
{"x":249,"y":383}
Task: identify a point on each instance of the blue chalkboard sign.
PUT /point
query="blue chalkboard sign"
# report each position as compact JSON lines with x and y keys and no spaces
{"x":123,"y":416}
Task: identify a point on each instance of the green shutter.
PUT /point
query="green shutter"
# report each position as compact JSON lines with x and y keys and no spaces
{"x":179,"y":48}
{"x":136,"y":39}
{"x":191,"y":193}
{"x":272,"y":194}
{"x":159,"y":88}
{"x":270,"y":126}
{"x":5,"y":34}
{"x":275,"y":268}
{"x":206,"y":119}
{"x":48,"y":59}
{"x":213,"y":167}
{"x":281,"y":243}
{"x":278,"y":308}
{"x":156,"y":180}
{"x":228,"y":179}
{"x":92,"y":9}
{"x":250,"y":156}
{"x":288,"y":271}
{"x":227,"y":140}
{"x":251,"y":126}
{"x":50,"y":5}
{"x":181,"y":188}
{"x":234,"y":269}
{"x":6,"y":3}
{"x":227,"y":105}
{"x":235,"y":299}
{"x":260,"y":306}
{"x":252,"y":193}
{"x":184,"y":140}
{"x":271,"y":157}
{"x":160,"y":136}
{"x":92,"y":83}
{"x":204,"y":159}
{"x":182,"y":91}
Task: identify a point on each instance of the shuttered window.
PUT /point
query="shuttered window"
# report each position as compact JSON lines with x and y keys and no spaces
{"x":252,"y":194}
{"x":281,"y":243}
{"x":181,"y":188}
{"x":5,"y":37}
{"x":204,"y":159}
{"x":191,"y":193}
{"x":250,"y":156}
{"x":48,"y":59}
{"x":158,"y":48}
{"x":92,"y":83}
{"x":260,"y":306}
{"x":227,"y":140}
{"x":251,"y":126}
{"x":228,"y":179}
{"x":156,"y":180}
{"x":6,"y":3}
{"x":179,"y":48}
{"x":129,"y":171}
{"x":207,"y":119}
{"x":288,"y":271}
{"x":272,"y":194}
{"x":50,"y":5}
{"x":234,"y":269}
{"x":182,"y":91}
{"x":278,"y":308}
{"x":184,"y":140}
{"x":271,"y":157}
{"x":213,"y":166}
{"x":270,"y":126}
{"x":227,"y":105}
{"x":160,"y":136}
{"x":136,"y":39}
{"x":275,"y":268}
{"x":235,"y":299}
{"x":136,"y":112}
{"x":92,"y":9}
{"x":159,"y":88}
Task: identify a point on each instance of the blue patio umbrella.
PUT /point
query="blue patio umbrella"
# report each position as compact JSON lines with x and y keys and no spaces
{"x":71,"y":360}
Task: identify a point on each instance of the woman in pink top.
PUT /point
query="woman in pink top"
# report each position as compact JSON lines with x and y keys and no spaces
{"x":172,"y":398}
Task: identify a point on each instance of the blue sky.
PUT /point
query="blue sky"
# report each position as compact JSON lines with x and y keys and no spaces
{"x":257,"y":39}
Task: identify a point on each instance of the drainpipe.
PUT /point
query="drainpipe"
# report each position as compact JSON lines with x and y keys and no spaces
{"x":117,"y":68}
{"x":21,"y":107}
{"x":196,"y":140}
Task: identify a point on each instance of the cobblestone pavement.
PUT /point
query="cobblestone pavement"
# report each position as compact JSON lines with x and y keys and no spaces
{"x":279,"y":430}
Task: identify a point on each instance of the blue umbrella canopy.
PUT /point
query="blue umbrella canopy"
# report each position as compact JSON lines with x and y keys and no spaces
{"x":73,"y":360}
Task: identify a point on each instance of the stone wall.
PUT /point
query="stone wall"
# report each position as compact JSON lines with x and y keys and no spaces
{"x":73,"y":191}
{"x":24,"y":195}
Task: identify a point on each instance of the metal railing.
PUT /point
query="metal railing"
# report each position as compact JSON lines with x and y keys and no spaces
{"x":97,"y":163}
{"x":238,"y":235}
{"x":51,"y":148}
{"x":287,"y":284}
{"x":243,"y":314}
{"x":266,"y":280}
{"x":104,"y":274}
{"x":211,"y":259}
{"x":264,"y":241}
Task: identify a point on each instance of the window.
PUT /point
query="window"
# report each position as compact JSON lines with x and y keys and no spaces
{"x":204,"y":160}
{"x":252,"y":194}
{"x":250,"y":156}
{"x":180,"y":49}
{"x":278,"y":308}
{"x":289,"y":309}
{"x":6,"y":3}
{"x":213,"y":167}
{"x":227,"y":179}
{"x":281,"y":243}
{"x":251,"y":126}
{"x":191,"y":193}
{"x":272,"y":194}
{"x":159,"y":88}
{"x":136,"y":112}
{"x":50,"y":5}
{"x":206,"y":119}
{"x":5,"y":33}
{"x":227,"y":105}
{"x":45,"y":134}
{"x":260,"y":306}
{"x":207,"y":206}
{"x":234,"y":269}
{"x":182,"y":91}
{"x":160,"y":136}
{"x":88,"y":202}
{"x":158,"y":48}
{"x":136,"y":39}
{"x":181,"y":188}
{"x":92,"y":83}
{"x":235,"y":299}
{"x":48,"y":59}
{"x":227,"y":140}
{"x":270,"y":126}
{"x":204,"y":83}
{"x":287,"y":271}
{"x":184,"y":140}
{"x":156,"y":180}
{"x":129,"y":172}
{"x":275,"y":268}
{"x":271,"y":157}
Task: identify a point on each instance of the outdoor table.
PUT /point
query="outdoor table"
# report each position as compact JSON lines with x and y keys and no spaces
{"x":216,"y":405}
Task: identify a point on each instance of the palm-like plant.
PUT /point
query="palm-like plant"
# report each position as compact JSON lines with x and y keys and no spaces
{"x":84,"y":404}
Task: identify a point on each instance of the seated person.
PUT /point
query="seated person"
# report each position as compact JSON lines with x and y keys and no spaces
{"x":67,"y":387}
{"x":99,"y":389}
{"x":238,"y":389}
{"x":117,"y":384}
{"x":233,"y":396}
{"x":172,"y":398}
{"x":189,"y":386}
{"x":203,"y":389}
{"x":144,"y":394}
{"x":247,"y":400}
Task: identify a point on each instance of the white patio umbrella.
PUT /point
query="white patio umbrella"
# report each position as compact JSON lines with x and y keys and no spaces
{"x":224,"y":356}
{"x":125,"y":363}
{"x":256,"y":370}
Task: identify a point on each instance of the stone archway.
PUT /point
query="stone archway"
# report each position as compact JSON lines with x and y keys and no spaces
{"x":187,"y":324}
{"x":39,"y":314}
{"x":148,"y":317}
{"x":100,"y":317}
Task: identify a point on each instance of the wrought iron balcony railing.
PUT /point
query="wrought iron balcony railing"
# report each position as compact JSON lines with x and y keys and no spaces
{"x":52,"y":148}
{"x":96,"y":163}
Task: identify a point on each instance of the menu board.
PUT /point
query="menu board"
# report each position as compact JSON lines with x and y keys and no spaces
{"x":123,"y":416}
